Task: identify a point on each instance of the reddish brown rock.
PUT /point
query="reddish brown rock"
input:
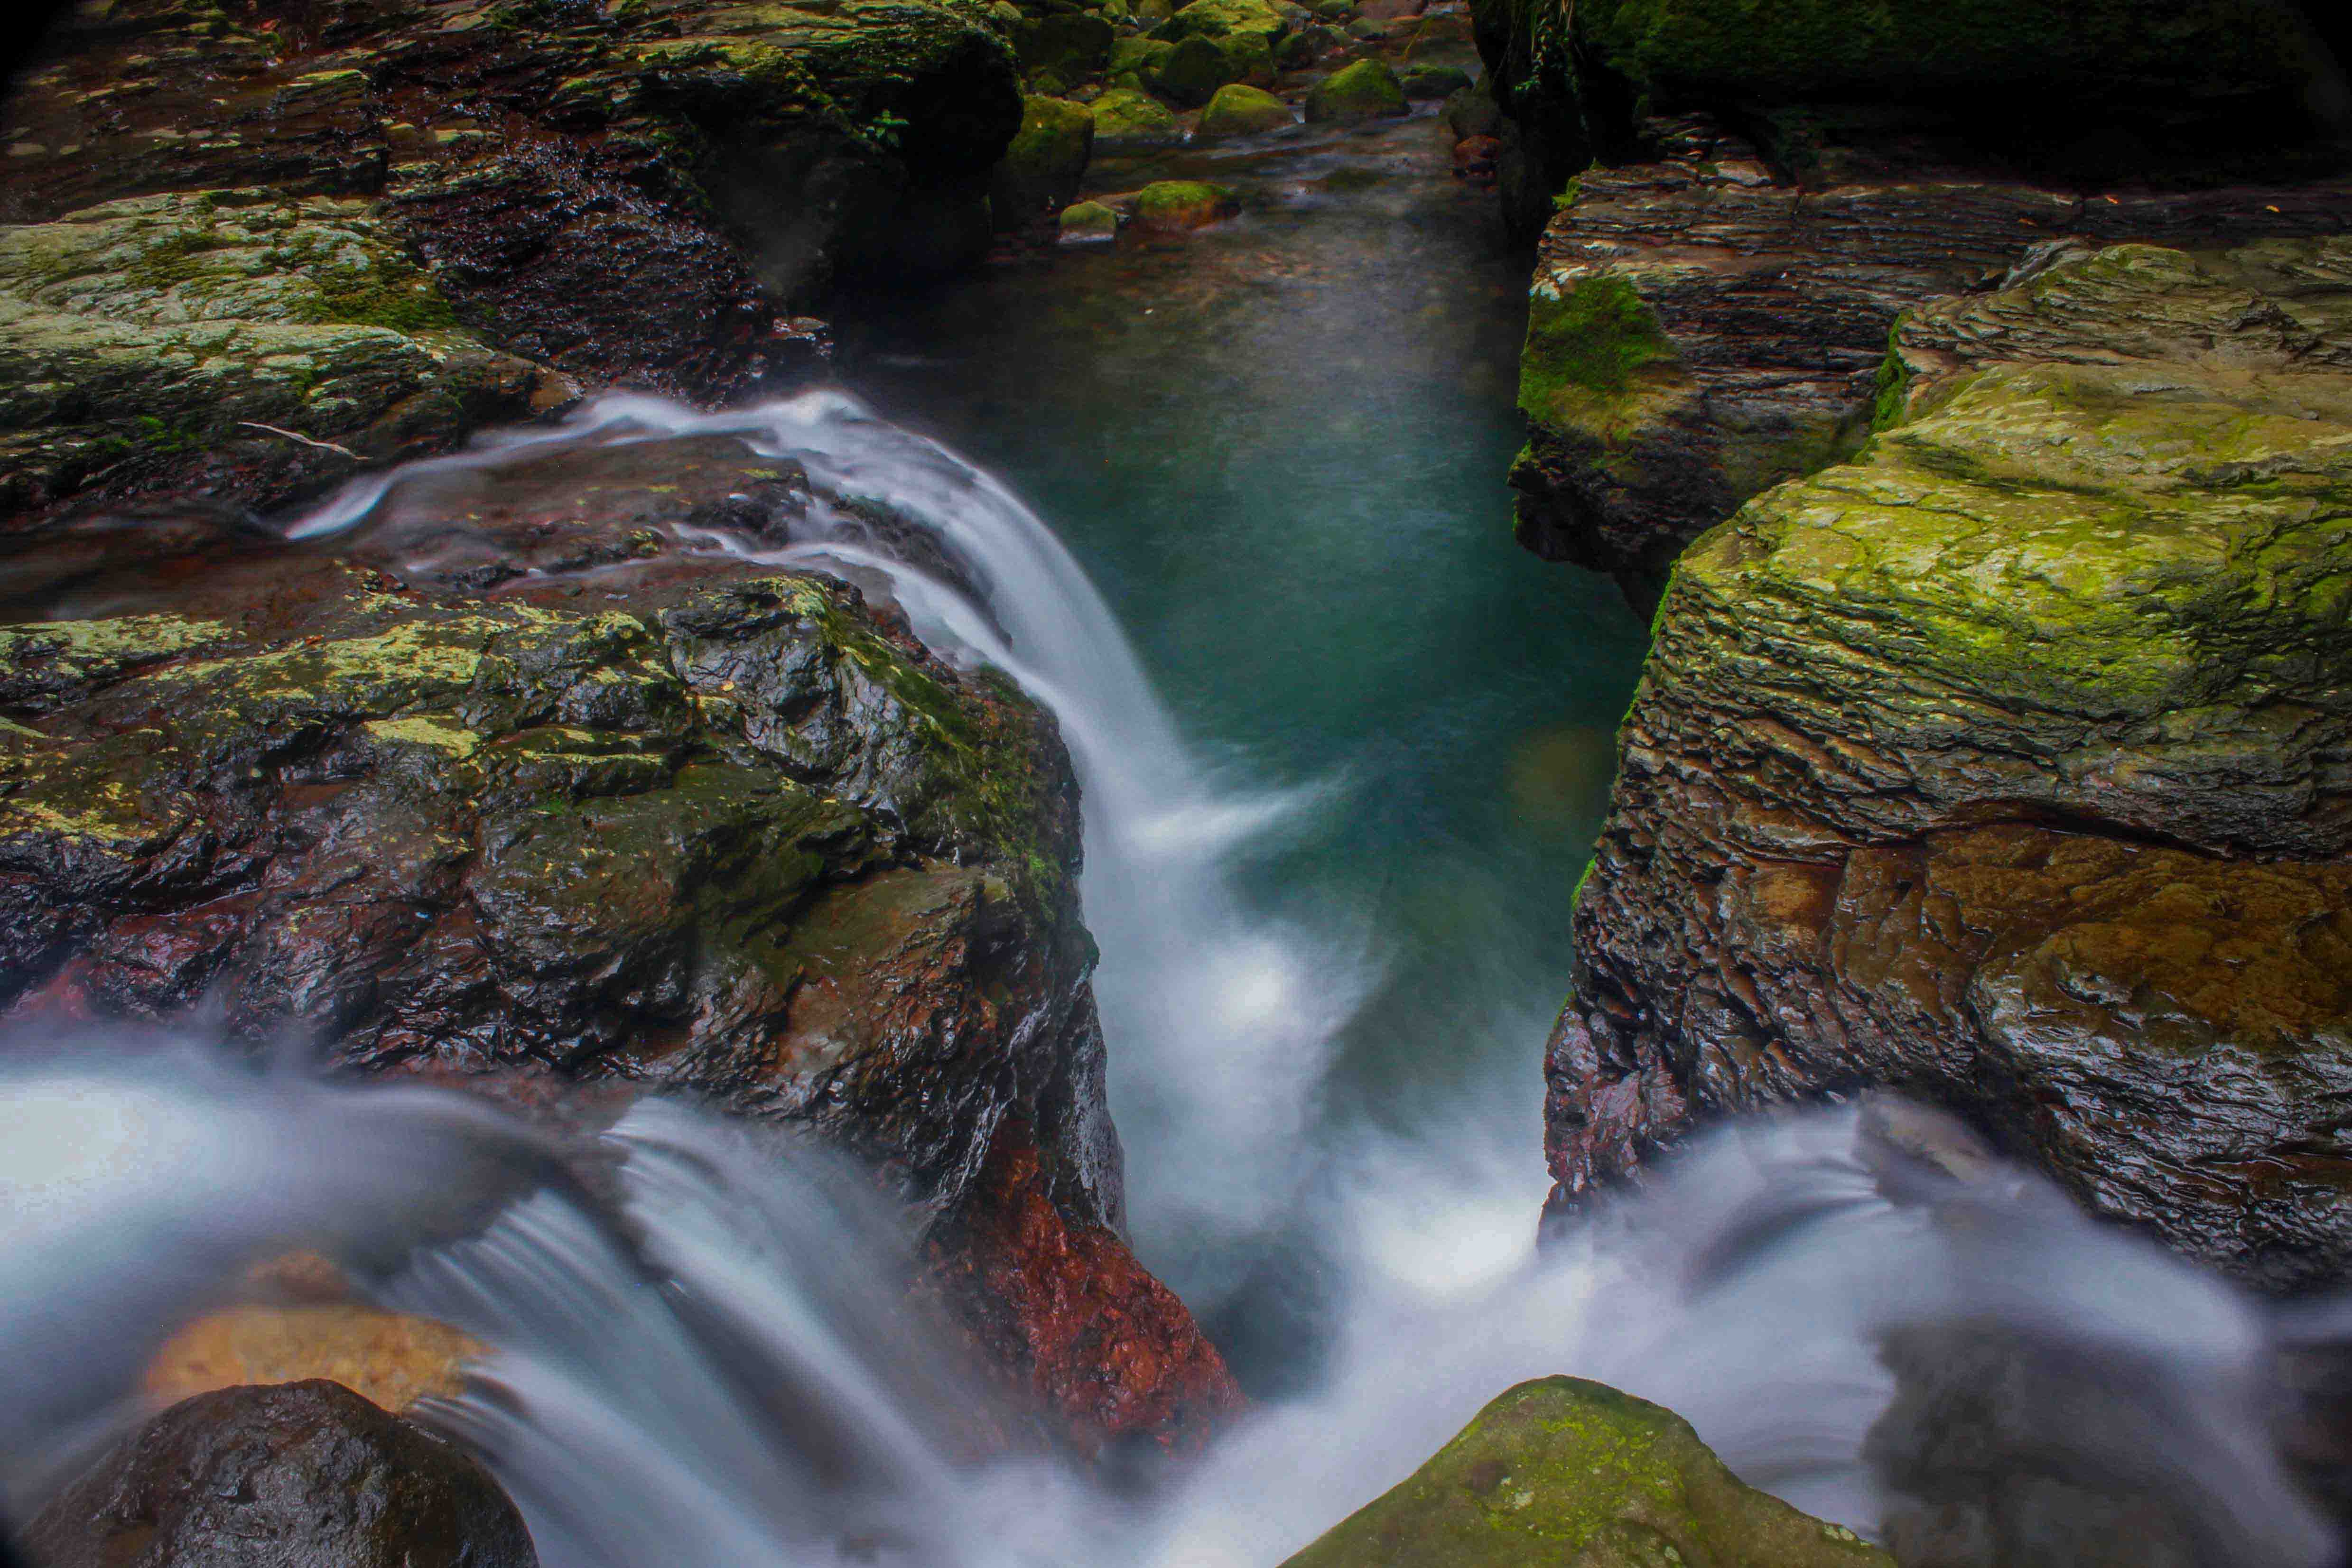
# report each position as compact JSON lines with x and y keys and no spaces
{"x":1057,"y":1299}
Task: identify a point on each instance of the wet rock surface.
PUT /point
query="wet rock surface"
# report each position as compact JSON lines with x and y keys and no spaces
{"x":1703,"y":326}
{"x":629,"y":195}
{"x":740,"y":839}
{"x":1568,"y":1470}
{"x":2004,"y":764}
{"x":262,"y":1476}
{"x":1054,"y":1297}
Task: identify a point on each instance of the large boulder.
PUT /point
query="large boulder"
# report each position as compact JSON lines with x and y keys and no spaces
{"x":1700,"y":328}
{"x":1367,"y":89}
{"x":712,"y":828}
{"x":632,"y":193}
{"x":2002,"y":764}
{"x":1239,"y":110}
{"x":283,"y":1477}
{"x":1565,"y":1470}
{"x":1127,"y":120}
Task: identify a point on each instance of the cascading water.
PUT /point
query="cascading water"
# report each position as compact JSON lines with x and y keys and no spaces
{"x":1199,"y":995}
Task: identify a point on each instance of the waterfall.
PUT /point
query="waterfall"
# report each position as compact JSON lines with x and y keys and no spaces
{"x":1221,"y":1020}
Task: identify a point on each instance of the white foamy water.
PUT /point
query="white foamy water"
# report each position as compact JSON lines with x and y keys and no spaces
{"x":725,"y":1368}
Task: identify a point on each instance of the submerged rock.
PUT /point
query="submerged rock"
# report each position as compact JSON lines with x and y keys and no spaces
{"x":390,"y":1359}
{"x":282,"y":1477}
{"x":1239,"y":110}
{"x":1367,"y":89}
{"x":1564,"y":1471}
{"x":1173,"y":206}
{"x":2002,"y":765}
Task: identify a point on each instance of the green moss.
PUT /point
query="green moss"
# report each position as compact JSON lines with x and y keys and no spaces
{"x":1240,"y":110}
{"x":1565,"y":1470}
{"x":1593,"y":352}
{"x":1368,"y":90}
{"x":1175,"y":205}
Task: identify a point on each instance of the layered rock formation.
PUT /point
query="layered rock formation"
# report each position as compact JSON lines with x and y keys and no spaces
{"x":2007,"y":764}
{"x":356,"y":222}
{"x":1701,"y":327}
{"x":1561,"y":1469}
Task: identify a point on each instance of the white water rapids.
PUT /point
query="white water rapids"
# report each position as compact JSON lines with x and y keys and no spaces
{"x":731,"y":1376}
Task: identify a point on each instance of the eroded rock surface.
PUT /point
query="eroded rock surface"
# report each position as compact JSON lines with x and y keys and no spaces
{"x":282,"y":1477}
{"x":1565,"y":1470}
{"x":2009,"y":763}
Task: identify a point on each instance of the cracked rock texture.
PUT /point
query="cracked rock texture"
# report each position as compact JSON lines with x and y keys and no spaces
{"x":2009,"y":763}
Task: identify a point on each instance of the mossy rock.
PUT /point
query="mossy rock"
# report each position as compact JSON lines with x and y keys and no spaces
{"x":1239,"y":110}
{"x":1140,"y":55}
{"x":1224,"y":19}
{"x":1129,"y":121}
{"x":1564,"y":1471}
{"x":1192,"y":72}
{"x":1041,"y":169}
{"x":1088,"y":223}
{"x":1171,"y":206}
{"x":1421,"y":82}
{"x":1365,"y":90}
{"x":1473,"y":111}
{"x":144,"y":336}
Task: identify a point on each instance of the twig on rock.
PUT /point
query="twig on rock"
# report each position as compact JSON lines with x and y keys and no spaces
{"x":307,"y":441}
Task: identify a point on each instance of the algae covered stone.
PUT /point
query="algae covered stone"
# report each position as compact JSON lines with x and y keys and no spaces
{"x":1565,"y":1470}
{"x":1088,"y":223}
{"x":1174,"y":205}
{"x":1130,"y":121}
{"x":1192,"y":72}
{"x":1042,"y":168}
{"x":1368,"y":90}
{"x":1239,"y":110}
